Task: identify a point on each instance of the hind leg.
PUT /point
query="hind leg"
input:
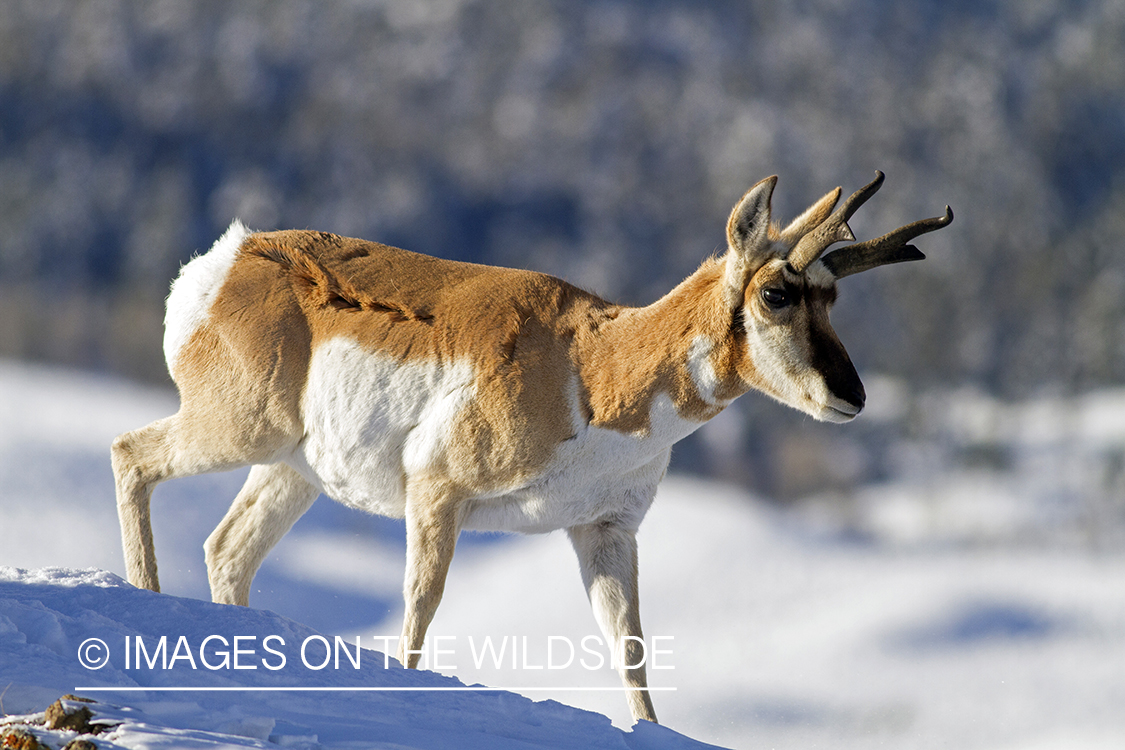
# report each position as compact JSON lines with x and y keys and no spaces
{"x":268,"y":505}
{"x":142,"y":459}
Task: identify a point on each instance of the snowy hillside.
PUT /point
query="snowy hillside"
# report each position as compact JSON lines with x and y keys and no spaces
{"x":53,"y":622}
{"x":780,"y":634}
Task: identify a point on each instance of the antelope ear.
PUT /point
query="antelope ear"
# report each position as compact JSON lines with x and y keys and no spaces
{"x":748,"y":231}
{"x":749,"y":222}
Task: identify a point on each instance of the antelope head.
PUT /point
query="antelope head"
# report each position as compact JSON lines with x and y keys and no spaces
{"x":780,"y":284}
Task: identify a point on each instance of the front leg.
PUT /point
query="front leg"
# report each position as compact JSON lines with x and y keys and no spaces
{"x":607,"y":555}
{"x":432,"y":527}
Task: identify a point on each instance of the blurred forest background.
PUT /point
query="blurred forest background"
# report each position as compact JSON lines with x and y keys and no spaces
{"x":605,"y":141}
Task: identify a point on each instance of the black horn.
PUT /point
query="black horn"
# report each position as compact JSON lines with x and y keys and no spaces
{"x":890,"y":248}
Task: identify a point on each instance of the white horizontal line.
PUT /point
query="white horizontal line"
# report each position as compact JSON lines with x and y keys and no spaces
{"x":473,"y":689}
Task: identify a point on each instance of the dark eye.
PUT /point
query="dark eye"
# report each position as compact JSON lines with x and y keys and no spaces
{"x":775,"y":298}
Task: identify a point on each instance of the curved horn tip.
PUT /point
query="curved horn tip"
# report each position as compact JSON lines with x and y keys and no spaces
{"x":948,"y":218}
{"x":859,"y":197}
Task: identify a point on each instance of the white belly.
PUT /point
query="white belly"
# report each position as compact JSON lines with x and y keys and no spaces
{"x":571,"y":498}
{"x":372,"y":421}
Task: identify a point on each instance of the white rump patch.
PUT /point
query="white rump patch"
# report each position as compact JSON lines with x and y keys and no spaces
{"x":195,"y":290}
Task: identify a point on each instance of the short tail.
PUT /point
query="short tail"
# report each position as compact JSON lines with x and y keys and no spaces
{"x":196,"y":288}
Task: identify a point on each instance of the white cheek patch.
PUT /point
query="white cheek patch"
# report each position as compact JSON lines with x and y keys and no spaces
{"x":788,"y":375}
{"x":195,"y":290}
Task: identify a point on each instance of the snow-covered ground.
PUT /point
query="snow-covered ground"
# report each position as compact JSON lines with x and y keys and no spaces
{"x":257,"y":668}
{"x":779,"y":633}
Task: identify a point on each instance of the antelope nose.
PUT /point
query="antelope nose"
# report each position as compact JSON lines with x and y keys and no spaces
{"x":858,"y":396}
{"x":854,"y":395}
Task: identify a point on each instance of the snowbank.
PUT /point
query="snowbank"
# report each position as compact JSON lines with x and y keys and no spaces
{"x":239,"y":677}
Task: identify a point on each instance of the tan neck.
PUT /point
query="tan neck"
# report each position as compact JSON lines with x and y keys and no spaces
{"x":644,"y":352}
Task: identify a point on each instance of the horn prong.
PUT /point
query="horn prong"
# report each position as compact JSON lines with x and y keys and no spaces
{"x":833,"y":229}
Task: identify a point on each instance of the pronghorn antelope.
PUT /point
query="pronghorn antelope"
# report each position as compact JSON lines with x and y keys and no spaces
{"x":462,"y":396}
